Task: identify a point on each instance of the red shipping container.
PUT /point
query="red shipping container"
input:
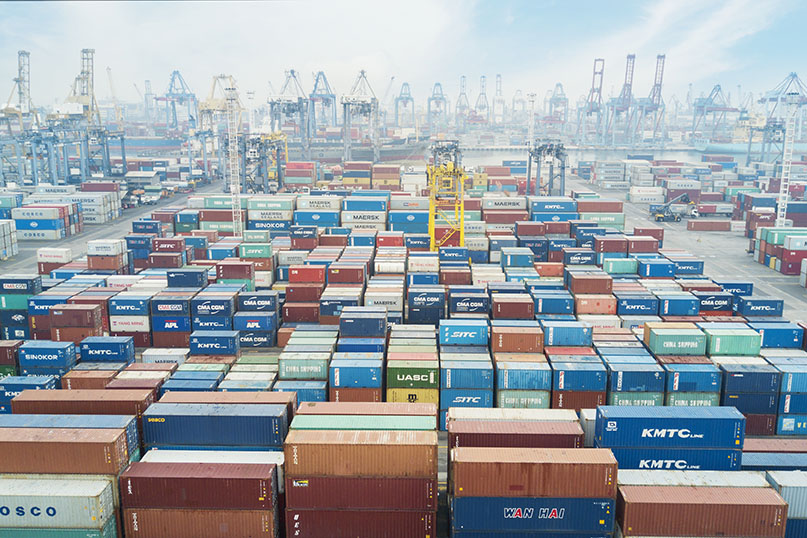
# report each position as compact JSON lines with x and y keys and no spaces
{"x":304,"y":292}
{"x":301,"y":312}
{"x":333,"y":240}
{"x":558,"y":228}
{"x":222,"y":486}
{"x":105,"y":263}
{"x":44,"y":268}
{"x":174,"y":244}
{"x":760,"y":425}
{"x":74,"y":334}
{"x":304,"y":243}
{"x":307,"y":273}
{"x":75,"y":315}
{"x":235,"y":269}
{"x":577,"y":400}
{"x":549,"y":269}
{"x":141,"y":340}
{"x":514,"y":434}
{"x":504,"y":216}
{"x":218,"y":215}
{"x":188,"y":523}
{"x":455,"y":276}
{"x":683,"y":359}
{"x":648,"y":231}
{"x":167,"y":260}
{"x":516,"y":340}
{"x":610,"y":244}
{"x":366,"y":493}
{"x":779,"y":445}
{"x":528,"y":228}
{"x":171,"y":339}
{"x":595,"y":304}
{"x":87,"y":379}
{"x":353,"y":394}
{"x":472,"y":204}
{"x":598,"y":206}
{"x":590,"y":283}
{"x":513,"y":306}
{"x":349,"y":523}
{"x":709,"y":225}
{"x":151,"y":384}
{"x":346,"y":274}
{"x":642,"y":245}
{"x":8,"y":352}
{"x":102,"y":301}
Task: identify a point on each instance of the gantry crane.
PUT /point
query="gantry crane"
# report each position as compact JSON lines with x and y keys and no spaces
{"x":775,"y":101}
{"x":499,"y":106}
{"x":177,"y":93}
{"x":291,"y":102}
{"x":619,"y":108}
{"x":716,"y":106}
{"x":437,"y":108}
{"x":22,"y":88}
{"x":651,"y":109}
{"x":118,"y":109}
{"x":592,"y":107}
{"x":481,"y":107}
{"x":322,"y":111}
{"x":555,"y":154}
{"x":83,"y":90}
{"x":361,"y":101}
{"x":233,"y":163}
{"x":463,"y":107}
{"x":446,"y":178}
{"x":405,"y":103}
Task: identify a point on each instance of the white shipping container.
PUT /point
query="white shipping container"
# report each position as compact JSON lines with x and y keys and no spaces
{"x":397,"y":267}
{"x":479,"y":242}
{"x":48,"y":213}
{"x":409,"y":202}
{"x":349,"y":217}
{"x":474,"y":227}
{"x":319,"y":202}
{"x":503,"y":202}
{"x":264,"y":279}
{"x":714,"y":479}
{"x":506,"y":414}
{"x":601,"y":320}
{"x":269,"y":214}
{"x":378,"y":226}
{"x":40,"y":235}
{"x":291,"y":257}
{"x":795,"y":242}
{"x":69,"y":504}
{"x":133,"y":324}
{"x":391,"y":300}
{"x":146,"y":374}
{"x":250,"y":376}
{"x":122,"y":281}
{"x":106,"y":247}
{"x":156,"y":354}
{"x":54,"y":255}
{"x":423,"y":264}
{"x":588,"y":419}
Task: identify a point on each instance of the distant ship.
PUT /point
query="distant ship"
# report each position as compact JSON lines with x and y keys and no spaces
{"x":707,"y":146}
{"x":149,"y":143}
{"x":332,"y":151}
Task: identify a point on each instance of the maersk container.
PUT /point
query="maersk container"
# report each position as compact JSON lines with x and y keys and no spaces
{"x":124,"y":422}
{"x":356,"y":373}
{"x":108,"y":348}
{"x":693,"y":378}
{"x":466,"y":398}
{"x":779,"y":335}
{"x":512,"y":516}
{"x":794,"y":377}
{"x":566,"y":333}
{"x":634,"y":304}
{"x":636,"y":378}
{"x":733,"y":342}
{"x":214,"y":343}
{"x":215,"y":425}
{"x":635,"y":398}
{"x":678,"y":459}
{"x":751,"y":378}
{"x":677,"y":341}
{"x":523,"y":376}
{"x":752,"y":403}
{"x":466,"y":375}
{"x":736,"y":287}
{"x":45,"y":353}
{"x":774,"y":461}
{"x":669,"y":427}
{"x":678,"y":304}
{"x":53,"y":503}
{"x":468,"y":332}
{"x":792,"y":486}
{"x":307,"y":391}
{"x":579,"y":376}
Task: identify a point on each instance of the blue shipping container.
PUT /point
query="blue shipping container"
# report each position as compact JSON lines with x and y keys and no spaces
{"x":516,"y":515}
{"x":469,"y":332}
{"x":466,"y":398}
{"x":466,"y":375}
{"x":636,"y":378}
{"x":693,"y":378}
{"x":579,"y":376}
{"x":751,"y":378}
{"x":108,"y":348}
{"x":678,"y":459}
{"x":214,"y":343}
{"x":356,"y":373}
{"x":523,"y":376}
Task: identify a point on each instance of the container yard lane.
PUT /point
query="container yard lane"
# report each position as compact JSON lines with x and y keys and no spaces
{"x":724,"y":253}
{"x":25,"y":261}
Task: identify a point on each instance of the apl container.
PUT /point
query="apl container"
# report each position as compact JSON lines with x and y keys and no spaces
{"x":669,"y":427}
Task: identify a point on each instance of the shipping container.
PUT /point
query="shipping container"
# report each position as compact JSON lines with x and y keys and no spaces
{"x":366,"y":493}
{"x":352,"y":523}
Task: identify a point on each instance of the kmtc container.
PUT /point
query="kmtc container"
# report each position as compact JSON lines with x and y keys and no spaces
{"x":42,"y":504}
{"x":693,"y":378}
{"x":669,"y":427}
{"x":700,"y":511}
{"x":511,"y":517}
{"x":754,"y":306}
{"x":108,"y":348}
{"x":233,"y":486}
{"x":168,"y":424}
{"x":214,"y":343}
{"x":686,"y":459}
{"x":733,"y":342}
{"x":361,"y":453}
{"x":677,"y":342}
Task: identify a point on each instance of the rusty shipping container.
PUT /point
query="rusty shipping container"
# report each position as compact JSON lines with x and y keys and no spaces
{"x":361,"y":493}
{"x":366,"y":408}
{"x":533,"y":472}
{"x":355,"y":394}
{"x":179,"y":523}
{"x":83,"y":402}
{"x":516,"y":434}
{"x":354,"y":523}
{"x":516,"y":340}
{"x":75,"y":315}
{"x":577,"y":400}
{"x":289,"y":399}
{"x":700,"y":511}
{"x":589,"y":283}
{"x":87,"y":379}
{"x":222,"y":486}
{"x":361,"y":453}
{"x":778,"y":444}
{"x":39,"y":450}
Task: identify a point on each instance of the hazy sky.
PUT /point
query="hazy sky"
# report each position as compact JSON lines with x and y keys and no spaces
{"x":532,"y":43}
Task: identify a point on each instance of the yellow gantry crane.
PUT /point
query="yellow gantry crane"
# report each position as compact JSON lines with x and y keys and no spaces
{"x":446,"y":178}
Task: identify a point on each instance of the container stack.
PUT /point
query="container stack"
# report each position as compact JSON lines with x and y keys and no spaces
{"x":792,"y":486}
{"x":129,"y":316}
{"x":300,"y":174}
{"x":347,"y":477}
{"x":15,"y":292}
{"x":257,"y":319}
{"x":47,"y":221}
{"x":357,"y":174}
{"x":47,"y":358}
{"x":523,"y":377}
{"x":509,"y":491}
{"x":413,"y":367}
{"x":708,"y":438}
{"x":386,"y":177}
{"x":75,"y":322}
{"x":8,"y":239}
{"x":303,"y":363}
{"x":466,"y":371}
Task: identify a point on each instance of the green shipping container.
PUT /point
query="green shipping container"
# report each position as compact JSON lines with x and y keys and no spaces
{"x":222,"y":202}
{"x":636,"y":398}
{"x":692,"y":399}
{"x":201,"y":367}
{"x":185,"y":226}
{"x":256,"y":236}
{"x":300,"y":368}
{"x":410,"y":349}
{"x":734,"y":342}
{"x":363,"y":422}
{"x":621,"y":266}
{"x":249,"y":284}
{"x":6,"y":371}
{"x":255,"y":250}
{"x":254,"y":368}
{"x":12,"y":301}
{"x":677,"y":342}
{"x":523,"y":399}
{"x":219,"y":226}
{"x":273,"y":202}
{"x":413,"y":374}
{"x":109,"y":531}
{"x":258,"y":358}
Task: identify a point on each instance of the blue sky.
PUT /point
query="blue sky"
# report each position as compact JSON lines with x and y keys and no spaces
{"x":533,"y":44}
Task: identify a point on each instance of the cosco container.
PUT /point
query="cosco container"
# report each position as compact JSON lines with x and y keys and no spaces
{"x":669,"y":427}
{"x":688,"y":459}
{"x":214,"y":425}
{"x":37,"y":503}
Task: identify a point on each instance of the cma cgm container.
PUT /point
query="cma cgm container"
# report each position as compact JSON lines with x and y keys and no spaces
{"x":669,"y":427}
